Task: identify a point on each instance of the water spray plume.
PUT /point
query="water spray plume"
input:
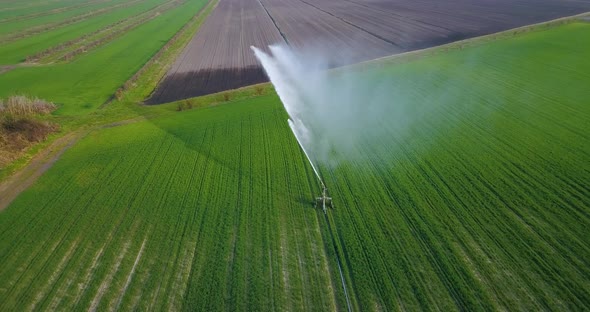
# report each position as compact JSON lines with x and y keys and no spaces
{"x":290,"y":90}
{"x":292,"y":126}
{"x":287,"y":87}
{"x":301,"y":90}
{"x":331,"y":113}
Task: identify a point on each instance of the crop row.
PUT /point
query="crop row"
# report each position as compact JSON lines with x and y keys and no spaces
{"x":23,"y":8}
{"x":21,"y":25}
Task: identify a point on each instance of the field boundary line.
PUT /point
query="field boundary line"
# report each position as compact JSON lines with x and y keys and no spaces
{"x":199,"y":18}
{"x":208,"y":9}
{"x":274,"y":22}
{"x":344,"y":20}
{"x":469,"y":42}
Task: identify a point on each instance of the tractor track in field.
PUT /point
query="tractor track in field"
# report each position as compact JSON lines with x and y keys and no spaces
{"x":8,"y":67}
{"x":332,"y":243}
{"x":339,"y":263}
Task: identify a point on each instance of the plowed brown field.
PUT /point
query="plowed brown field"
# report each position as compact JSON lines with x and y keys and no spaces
{"x":219,"y":58}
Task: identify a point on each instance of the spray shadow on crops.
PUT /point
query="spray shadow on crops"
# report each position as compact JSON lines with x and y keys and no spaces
{"x":223,"y":153}
{"x":186,"y":133}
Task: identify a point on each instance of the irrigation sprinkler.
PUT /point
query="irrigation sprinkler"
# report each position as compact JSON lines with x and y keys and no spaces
{"x":323,"y":201}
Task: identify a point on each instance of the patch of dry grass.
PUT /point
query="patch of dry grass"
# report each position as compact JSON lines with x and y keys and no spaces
{"x":21,"y":125}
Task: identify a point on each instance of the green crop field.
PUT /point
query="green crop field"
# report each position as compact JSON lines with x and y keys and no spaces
{"x":16,"y":52}
{"x":482,"y":203}
{"x":89,"y":80}
{"x":14,"y":24}
{"x":179,"y":240}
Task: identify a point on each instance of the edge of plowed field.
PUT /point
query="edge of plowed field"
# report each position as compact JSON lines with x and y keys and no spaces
{"x":416,"y":54}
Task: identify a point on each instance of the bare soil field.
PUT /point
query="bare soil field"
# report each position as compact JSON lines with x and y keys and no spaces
{"x":219,"y":58}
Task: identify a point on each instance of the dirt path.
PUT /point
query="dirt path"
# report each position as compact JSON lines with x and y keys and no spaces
{"x":21,"y":180}
{"x":6,"y":68}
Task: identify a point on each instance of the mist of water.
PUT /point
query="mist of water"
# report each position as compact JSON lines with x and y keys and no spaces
{"x":335,"y":114}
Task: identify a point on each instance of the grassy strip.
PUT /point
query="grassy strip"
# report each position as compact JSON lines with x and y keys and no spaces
{"x":17,"y":51}
{"x":30,"y":7}
{"x":68,"y":50}
{"x":50,"y":12}
{"x":76,"y":19}
{"x":18,"y":26}
{"x":118,"y":32}
{"x":482,"y":204}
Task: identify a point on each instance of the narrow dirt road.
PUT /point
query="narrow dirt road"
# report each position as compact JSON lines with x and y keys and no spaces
{"x":21,"y":180}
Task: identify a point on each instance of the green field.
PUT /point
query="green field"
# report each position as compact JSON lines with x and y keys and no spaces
{"x":481,"y":203}
{"x":82,"y":85}
{"x":26,"y":23}
{"x":11,"y":11}
{"x":16,"y":52}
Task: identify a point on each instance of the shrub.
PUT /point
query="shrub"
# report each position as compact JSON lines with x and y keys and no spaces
{"x":31,"y":129}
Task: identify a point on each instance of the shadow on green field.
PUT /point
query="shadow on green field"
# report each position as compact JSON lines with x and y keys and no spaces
{"x":194,"y":127}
